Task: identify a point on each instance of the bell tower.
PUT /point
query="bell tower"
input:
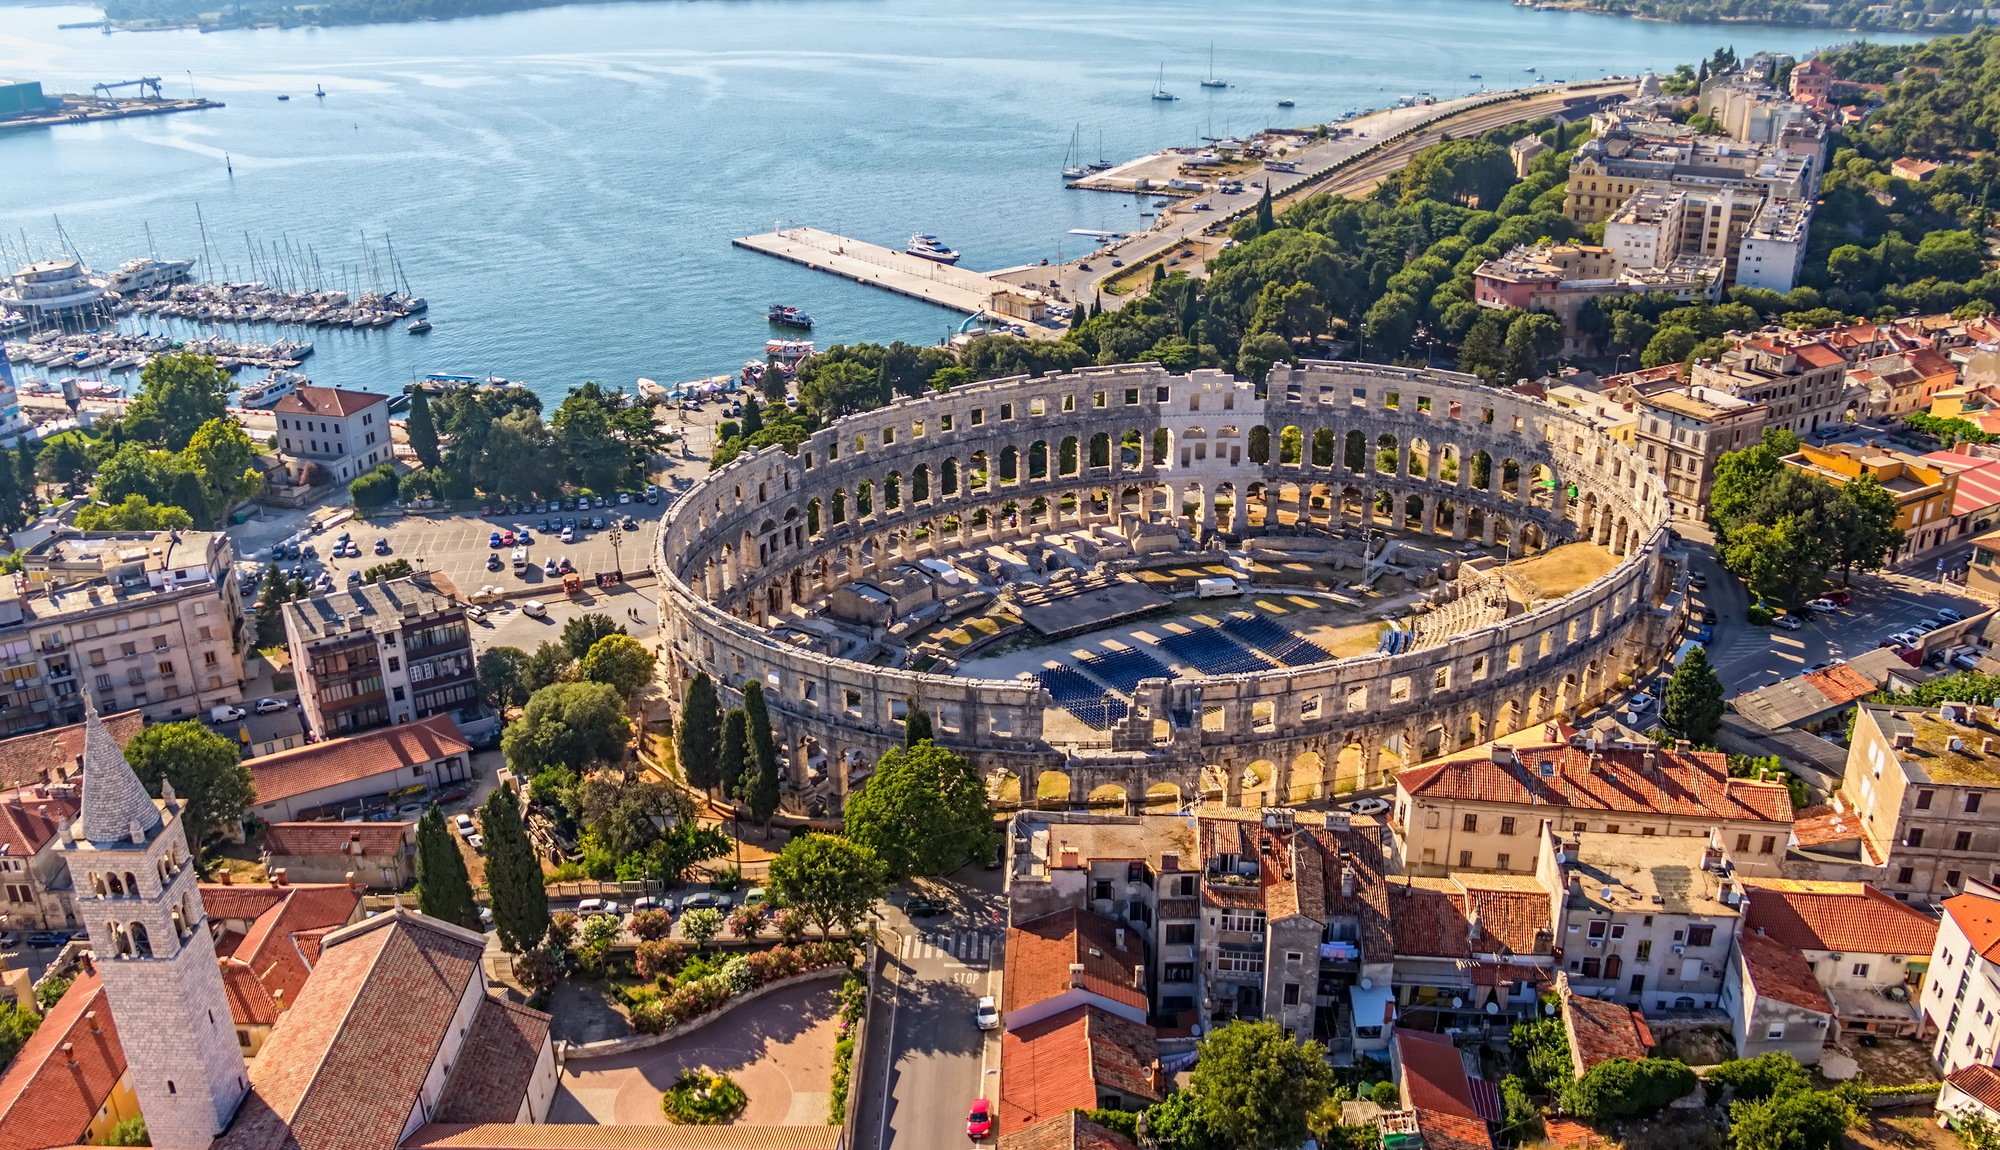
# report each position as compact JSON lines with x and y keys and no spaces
{"x":134,"y":878}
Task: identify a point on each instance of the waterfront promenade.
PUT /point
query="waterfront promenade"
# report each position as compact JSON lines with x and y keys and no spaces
{"x":946,"y":285}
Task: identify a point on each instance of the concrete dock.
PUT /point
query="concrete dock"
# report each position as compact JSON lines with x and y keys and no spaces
{"x":958,"y":289}
{"x":91,"y":110}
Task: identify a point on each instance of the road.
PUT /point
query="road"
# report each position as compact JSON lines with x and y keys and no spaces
{"x":1082,"y":279}
{"x":926,"y":1059}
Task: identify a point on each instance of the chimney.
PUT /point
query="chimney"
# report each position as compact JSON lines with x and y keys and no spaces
{"x":1596,"y":762}
{"x":1347,"y":882}
{"x":278,"y":876}
{"x":1076,"y":974}
{"x":354,"y":882}
{"x":225,"y":878}
{"x":1986,"y":745}
{"x":1682,"y":746}
{"x":90,"y":1016}
{"x":1139,"y":976}
{"x":1118,"y":938}
{"x":1504,"y":755}
{"x":1711,"y":857}
{"x":1649,"y":762}
{"x":1070,"y":859}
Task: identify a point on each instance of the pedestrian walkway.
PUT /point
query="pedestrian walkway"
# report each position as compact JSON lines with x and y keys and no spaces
{"x":966,"y":946}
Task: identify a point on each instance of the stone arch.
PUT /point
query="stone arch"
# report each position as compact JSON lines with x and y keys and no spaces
{"x":1010,"y":464}
{"x":1419,"y":458}
{"x":1068,"y":459}
{"x":1053,"y":789}
{"x":1323,"y":447}
{"x":1354,"y":451}
{"x":920,"y":483}
{"x":977,"y":476}
{"x":1038,"y":459}
{"x":115,"y":884}
{"x":1003,"y":787}
{"x":948,"y":477}
{"x":892,"y":491}
{"x":1307,"y":778}
{"x":1531,"y":537}
{"x":1541,"y":485}
{"x":1163,"y":798}
{"x":1291,"y":446}
{"x":1108,"y":795}
{"x":813,"y":525}
{"x":1449,"y":463}
{"x":837,"y":507}
{"x":1350,"y":769}
{"x":1258,"y":781}
{"x":864,"y":499}
{"x":142,"y":942}
{"x":1100,"y":450}
{"x":1259,"y":446}
{"x":1388,"y":450}
{"x":1482,"y":470}
{"x":1510,"y":478}
{"x":1413,"y":513}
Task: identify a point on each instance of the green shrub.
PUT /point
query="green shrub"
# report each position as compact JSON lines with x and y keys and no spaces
{"x":1385,"y":1095}
{"x":374,"y":488}
{"x":703,"y":1097}
{"x":1764,"y":1076}
{"x":1760,"y":615}
{"x":1624,"y":1088}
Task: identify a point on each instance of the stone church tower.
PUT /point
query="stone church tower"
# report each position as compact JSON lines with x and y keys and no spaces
{"x":135,"y":894}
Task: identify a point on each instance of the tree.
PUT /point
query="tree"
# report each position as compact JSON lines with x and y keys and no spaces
{"x":133,"y":513}
{"x":759,"y":790}
{"x":374,"y":488}
{"x":773,"y":381}
{"x":924,"y":811}
{"x":761,"y":770}
{"x":831,"y":880}
{"x":131,"y":1132}
{"x":444,"y":892}
{"x":701,"y":924}
{"x":840,"y":388}
{"x":579,"y":724}
{"x":1531,"y":338}
{"x":732,"y":758}
{"x":1628,"y":1088}
{"x":620,"y":661}
{"x":422,"y":429}
{"x":500,"y":676}
{"x":580,"y":634}
{"x":1669,"y":345}
{"x":1260,"y":353}
{"x":513,"y":874}
{"x":1254,"y":1086}
{"x":626,"y":819}
{"x":17,"y":1025}
{"x":916,"y":723}
{"x":748,"y":921}
{"x":550,"y":664}
{"x":753,"y":416}
{"x":221,"y":455}
{"x":178,"y":392}
{"x":684,"y":846}
{"x":1761,"y":1077}
{"x":1805,"y":1120}
{"x":205,"y":768}
{"x":1865,"y":530}
{"x":1692,"y":703}
{"x":1266,"y":218}
{"x":698,"y":737}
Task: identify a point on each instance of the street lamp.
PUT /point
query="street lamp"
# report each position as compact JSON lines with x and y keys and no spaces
{"x":616,"y":536}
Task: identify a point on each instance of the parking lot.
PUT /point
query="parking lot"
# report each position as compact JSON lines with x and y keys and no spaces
{"x":506,"y":625}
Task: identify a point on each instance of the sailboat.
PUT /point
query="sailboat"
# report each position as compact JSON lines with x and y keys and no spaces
{"x":319,"y":91}
{"x":1072,"y":170}
{"x":1212,"y":82}
{"x":1160,"y":86}
{"x":1100,"y":163}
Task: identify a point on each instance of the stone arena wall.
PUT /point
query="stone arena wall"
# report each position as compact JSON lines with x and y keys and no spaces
{"x":1327,"y":444}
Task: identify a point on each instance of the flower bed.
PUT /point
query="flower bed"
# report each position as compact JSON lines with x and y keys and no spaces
{"x":853,"y":1007}
{"x":703,"y":1097}
{"x":739,"y":974}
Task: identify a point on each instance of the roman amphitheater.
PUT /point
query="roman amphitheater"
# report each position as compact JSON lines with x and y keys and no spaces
{"x":1123,"y":586}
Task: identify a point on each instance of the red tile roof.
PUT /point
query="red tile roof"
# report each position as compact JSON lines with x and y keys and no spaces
{"x":48,"y":1098}
{"x":239,"y":902}
{"x":520,"y":1136}
{"x":1841,"y":684}
{"x":346,"y":1068}
{"x":378,"y":839}
{"x":1818,"y":354}
{"x":1780,"y":972}
{"x":1837,"y":916}
{"x":1452,"y":1132}
{"x":28,"y":820}
{"x":1980,"y":1083}
{"x":1041,"y":951}
{"x":1694,"y":784}
{"x":44,"y":756}
{"x":1434,"y":1077}
{"x":1058,"y":1063}
{"x":1979,"y":919}
{"x":1830,"y":828}
{"x":270,"y":945}
{"x":1600,"y":1031}
{"x":330,"y":401}
{"x":1437,"y":922}
{"x":314,"y":766}
{"x":496,"y":1064}
{"x":250,"y":1001}
{"x":1071,"y":1131}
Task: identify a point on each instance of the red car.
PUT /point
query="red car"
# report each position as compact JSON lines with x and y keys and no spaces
{"x":1840,"y":598}
{"x":979,"y":1123}
{"x":506,"y":539}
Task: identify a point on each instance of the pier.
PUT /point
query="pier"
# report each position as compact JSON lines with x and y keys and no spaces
{"x":91,"y":109}
{"x":955,"y":288}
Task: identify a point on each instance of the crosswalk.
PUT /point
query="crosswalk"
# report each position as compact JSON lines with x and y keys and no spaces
{"x":967,"y":946}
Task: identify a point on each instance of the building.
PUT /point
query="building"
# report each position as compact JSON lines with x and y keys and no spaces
{"x":338,"y":776}
{"x":1982,"y":572}
{"x":1446,"y":1105}
{"x":345,"y":432}
{"x":1083,"y":1058}
{"x":1561,"y":278}
{"x":1683,"y":429}
{"x":1800,"y":379}
{"x":57,"y":756}
{"x":129,"y":861}
{"x":1774,"y":1003}
{"x":1645,"y":921}
{"x":1487,"y":812}
{"x":1868,"y":951}
{"x":35,"y":892}
{"x":149,"y":621}
{"x":1748,"y":109}
{"x":1471,"y":950}
{"x":1616,"y":421}
{"x":380,"y":856}
{"x":1924,"y":492}
{"x":68,"y":1084}
{"x":1773,"y":251}
{"x":1971,"y":1090}
{"x":383,"y":653}
{"x":21,"y":98}
{"x":1919,"y":781}
{"x":1960,"y":1001}
{"x":1072,"y":958}
{"x":1812,"y":81}
{"x":1071,"y":1131}
{"x":1816,"y":700}
{"x":1600,"y":1030}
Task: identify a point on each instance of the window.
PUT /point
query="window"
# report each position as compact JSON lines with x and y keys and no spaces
{"x":1905,"y":875}
{"x":1972,"y":803}
{"x":1952,"y":877}
{"x":1507,"y":825}
{"x":1471,"y":822}
{"x":1597,"y":928}
{"x":1291,"y":994}
{"x":1743,"y":843}
{"x":1465,"y":858}
{"x":1769,"y":845}
{"x":1924,"y":800}
{"x":1180,"y":934}
{"x":1645,"y":953}
{"x":1701,"y":935}
{"x":1177,"y":972}
{"x":1504,"y":860}
{"x":1963,"y":841}
{"x":1861,"y":970}
{"x":1775,"y":1032}
{"x":1915,"y":838}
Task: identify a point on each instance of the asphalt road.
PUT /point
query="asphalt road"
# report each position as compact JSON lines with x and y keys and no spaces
{"x":926,"y":1059}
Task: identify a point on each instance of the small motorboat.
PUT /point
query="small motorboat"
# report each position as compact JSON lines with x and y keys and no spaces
{"x":419,"y":326}
{"x":283,"y":96}
{"x":1287,"y":103}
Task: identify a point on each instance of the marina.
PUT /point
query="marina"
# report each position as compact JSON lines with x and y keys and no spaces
{"x":946,"y":285}
{"x":119,"y":351}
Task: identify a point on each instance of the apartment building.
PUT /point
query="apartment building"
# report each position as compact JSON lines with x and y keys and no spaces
{"x":384,"y":653}
{"x":1775,"y":1004}
{"x":1683,"y":429}
{"x":1923,"y":783}
{"x":35,"y":890}
{"x":1472,"y":950}
{"x":1773,"y":251}
{"x":1486,"y":812}
{"x":346,"y":432}
{"x":148,"y":620}
{"x":1748,"y":109}
{"x":1924,"y":492}
{"x":1961,"y":1001}
{"x":1867,"y":951}
{"x":1800,"y":379}
{"x":1561,"y":278}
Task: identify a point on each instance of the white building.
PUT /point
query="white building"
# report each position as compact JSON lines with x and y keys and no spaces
{"x":1960,"y":1000}
{"x":346,"y":432}
{"x":1774,"y":249}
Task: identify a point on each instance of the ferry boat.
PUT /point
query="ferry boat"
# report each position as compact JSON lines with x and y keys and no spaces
{"x":51,"y":287}
{"x":785,"y":316}
{"x":144,"y":272}
{"x":1475,"y":76}
{"x":283,"y":96}
{"x":272,"y":388}
{"x":928,"y":246}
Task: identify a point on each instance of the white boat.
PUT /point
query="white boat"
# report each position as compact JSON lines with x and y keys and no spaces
{"x":98,"y":389}
{"x":1072,"y":170}
{"x":1100,"y":163}
{"x":419,"y":326}
{"x":927,"y":246}
{"x":1211,"y":82}
{"x":271,"y":389}
{"x":51,"y":287}
{"x":144,"y":272}
{"x":1160,"y":86}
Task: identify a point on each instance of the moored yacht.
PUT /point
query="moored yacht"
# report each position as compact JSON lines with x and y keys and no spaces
{"x":51,"y":287}
{"x":144,"y":272}
{"x":785,"y":316}
{"x":928,"y":246}
{"x":271,"y":388}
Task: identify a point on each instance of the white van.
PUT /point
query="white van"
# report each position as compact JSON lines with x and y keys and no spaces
{"x":520,"y":560}
{"x":1217,"y":588}
{"x":534,"y":609}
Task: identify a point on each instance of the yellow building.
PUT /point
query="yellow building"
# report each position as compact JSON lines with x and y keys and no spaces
{"x":1923,"y":492}
{"x":69,"y":1083}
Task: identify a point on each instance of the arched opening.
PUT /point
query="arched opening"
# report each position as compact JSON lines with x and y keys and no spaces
{"x":142,"y":943}
{"x":1323,"y":447}
{"x":1387,"y":448}
{"x":1066,"y":456}
{"x":1109,"y":795}
{"x":892,"y":491}
{"x":1052,"y":790}
{"x":948,"y":477}
{"x":812,"y":516}
{"x":1163,"y":798}
{"x":1291,"y":446}
{"x":864,"y":499}
{"x":1354,"y":455}
{"x":1010,"y":464}
{"x":1260,"y":444}
{"x":1100,"y":450}
{"x":920,"y":483}
{"x":1003,"y":788}
{"x":1038,"y":459}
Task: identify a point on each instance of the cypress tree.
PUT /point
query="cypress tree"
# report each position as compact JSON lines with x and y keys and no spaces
{"x":760,"y":789}
{"x":753,"y":416}
{"x":916,"y":724}
{"x":699,"y":735}
{"x":513,"y":875}
{"x":1266,"y":217}
{"x":443,"y":890}
{"x":1190,"y":310}
{"x":422,"y":429}
{"x":734,"y":753}
{"x":773,"y":380}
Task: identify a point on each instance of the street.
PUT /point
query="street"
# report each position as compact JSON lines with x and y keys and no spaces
{"x":926,"y":1059}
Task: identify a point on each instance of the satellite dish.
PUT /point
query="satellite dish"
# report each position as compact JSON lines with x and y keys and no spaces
{"x":1550,"y":1010}
{"x":1457,"y":1002}
{"x":1195,"y":1030}
{"x":1367,"y":984}
{"x":1492,"y":1008}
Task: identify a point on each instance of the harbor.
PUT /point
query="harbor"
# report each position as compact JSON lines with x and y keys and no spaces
{"x":23,"y":104}
{"x":946,"y":285}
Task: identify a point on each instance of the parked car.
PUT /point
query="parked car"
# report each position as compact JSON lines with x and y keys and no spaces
{"x":1823,"y":605}
{"x":648,"y":902}
{"x":225,"y":714}
{"x":1708,"y":616}
{"x":476,"y":613}
{"x":979,"y":1123}
{"x":1787,"y":622}
{"x":1367,"y":806}
{"x":48,"y":938}
{"x":921,"y":907}
{"x":1642,"y":700}
{"x":1950,"y":615}
{"x":476,"y":842}
{"x":535,"y":609}
{"x":271,"y":706}
{"x":1698,"y":582}
{"x":411,"y":811}
{"x":493,"y":561}
{"x":1703,"y":634}
{"x":756,"y":896}
{"x":462,"y":823}
{"x":493,"y":540}
{"x":591,"y":906}
{"x":987,"y":1014}
{"x":698,"y":900}
{"x":1928,"y":625}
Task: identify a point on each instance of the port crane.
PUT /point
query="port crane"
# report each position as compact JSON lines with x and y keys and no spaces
{"x":143,"y":83}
